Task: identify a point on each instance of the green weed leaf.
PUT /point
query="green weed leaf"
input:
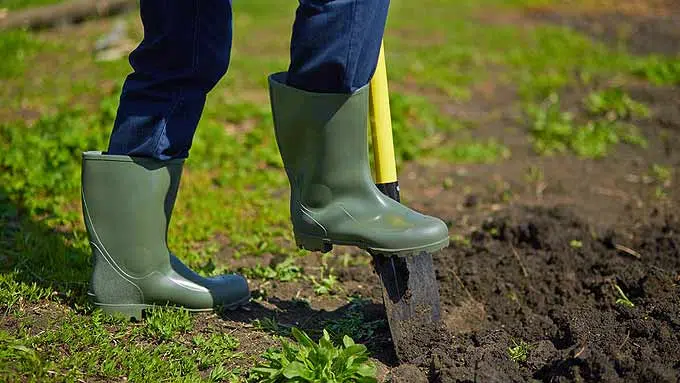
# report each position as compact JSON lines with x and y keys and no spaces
{"x":308,"y":361}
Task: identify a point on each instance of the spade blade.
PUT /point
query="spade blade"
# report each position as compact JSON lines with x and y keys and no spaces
{"x":411,"y":299}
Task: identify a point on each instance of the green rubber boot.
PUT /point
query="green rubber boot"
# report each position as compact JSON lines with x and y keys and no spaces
{"x":323,"y":141}
{"x":127,"y":204}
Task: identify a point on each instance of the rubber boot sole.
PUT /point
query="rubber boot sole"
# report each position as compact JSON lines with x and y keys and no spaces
{"x":136,"y":310}
{"x":325,"y":245}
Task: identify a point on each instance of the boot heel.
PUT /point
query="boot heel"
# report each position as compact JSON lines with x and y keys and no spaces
{"x":313,"y":243}
{"x":128,"y":311}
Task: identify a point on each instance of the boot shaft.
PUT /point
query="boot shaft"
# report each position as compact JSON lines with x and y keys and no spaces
{"x":322,"y":139}
{"x":127,"y":206}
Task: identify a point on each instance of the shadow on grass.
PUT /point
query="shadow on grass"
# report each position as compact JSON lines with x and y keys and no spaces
{"x":38,"y":261}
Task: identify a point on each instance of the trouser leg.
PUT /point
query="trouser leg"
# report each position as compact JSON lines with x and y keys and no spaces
{"x":184,"y":53}
{"x":335,"y":44}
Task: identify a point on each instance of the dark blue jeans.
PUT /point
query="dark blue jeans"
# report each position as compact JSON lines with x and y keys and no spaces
{"x":186,"y":50}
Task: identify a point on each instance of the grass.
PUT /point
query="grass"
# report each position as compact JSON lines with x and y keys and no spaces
{"x":353,"y":323}
{"x":165,"y":324}
{"x":660,"y":70}
{"x":555,"y":131}
{"x":233,"y":200}
{"x":272,"y":326}
{"x":285,"y":271}
{"x":661,"y":174}
{"x":19,"y":4}
{"x":18,"y":48}
{"x":111,"y":349}
{"x":614,"y":104}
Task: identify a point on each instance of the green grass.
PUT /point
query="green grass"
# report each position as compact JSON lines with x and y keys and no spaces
{"x":58,"y":102}
{"x":166,"y":324}
{"x":353,"y":323}
{"x":661,"y":174}
{"x":659,"y":70}
{"x":284,"y":271}
{"x":555,"y":131}
{"x":18,"y":4}
{"x":17,"y":48}
{"x":272,"y":326}
{"x":108,"y":348}
{"x":614,"y":104}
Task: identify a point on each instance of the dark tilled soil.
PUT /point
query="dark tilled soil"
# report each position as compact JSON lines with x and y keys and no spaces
{"x":542,"y":276}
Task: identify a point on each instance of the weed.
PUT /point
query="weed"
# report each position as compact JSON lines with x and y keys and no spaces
{"x":221,"y":374}
{"x":327,"y":282}
{"x":659,"y":70}
{"x":16,"y":355}
{"x":326,"y":285}
{"x":481,"y":152}
{"x":576,"y":244}
{"x":166,"y":323}
{"x":354,"y":260}
{"x":614,"y":104}
{"x":623,"y":300}
{"x":594,"y":139}
{"x":662,"y":177}
{"x":284,"y":271}
{"x":271,"y":326}
{"x":16,"y":49}
{"x":353,"y":323}
{"x":461,"y":240}
{"x":554,"y":131}
{"x":551,"y":128}
{"x":307,"y":361}
{"x":14,"y":293}
{"x":661,"y":174}
{"x":113,"y":350}
{"x":534,"y":175}
{"x":214,"y":349}
{"x":660,"y":193}
{"x":417,"y":125}
{"x":519,"y":351}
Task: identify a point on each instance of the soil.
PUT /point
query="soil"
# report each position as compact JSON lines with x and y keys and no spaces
{"x":534,"y":274}
{"x":528,"y":280}
{"x":408,"y":373}
{"x":540,"y":258}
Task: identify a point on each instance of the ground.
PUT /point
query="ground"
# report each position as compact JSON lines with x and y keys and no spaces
{"x":546,"y":134}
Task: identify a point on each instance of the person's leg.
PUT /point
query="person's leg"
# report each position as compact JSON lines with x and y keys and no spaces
{"x":320,"y":110}
{"x":335,"y":44}
{"x":185,"y":52}
{"x":128,"y":194}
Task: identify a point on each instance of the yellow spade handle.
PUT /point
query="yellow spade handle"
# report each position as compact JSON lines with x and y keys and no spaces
{"x":381,"y":125}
